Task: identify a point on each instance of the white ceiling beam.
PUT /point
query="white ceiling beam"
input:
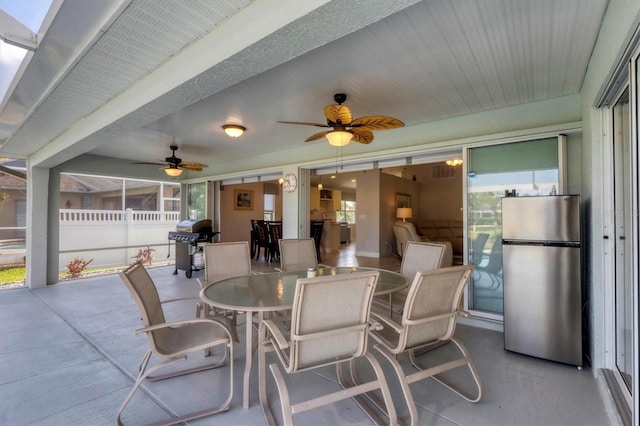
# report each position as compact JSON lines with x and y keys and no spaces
{"x":16,"y":33}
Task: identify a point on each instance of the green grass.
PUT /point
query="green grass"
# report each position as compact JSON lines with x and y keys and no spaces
{"x":12,"y":275}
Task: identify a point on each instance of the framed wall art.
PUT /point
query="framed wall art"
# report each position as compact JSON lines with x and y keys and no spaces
{"x":242,"y":199}
{"x":403,"y":200}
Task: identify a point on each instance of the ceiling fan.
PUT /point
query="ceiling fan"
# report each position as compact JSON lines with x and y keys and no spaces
{"x":344,"y":128}
{"x":173,"y":166}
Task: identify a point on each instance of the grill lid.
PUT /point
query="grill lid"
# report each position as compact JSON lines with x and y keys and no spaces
{"x":193,"y":225}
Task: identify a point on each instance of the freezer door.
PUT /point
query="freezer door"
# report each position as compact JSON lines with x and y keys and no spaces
{"x":553,"y":218}
{"x":542,"y":302}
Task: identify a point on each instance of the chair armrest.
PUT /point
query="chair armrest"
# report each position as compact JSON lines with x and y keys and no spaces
{"x":179,"y":299}
{"x":180,"y":323}
{"x":447,"y":315}
{"x":281,"y":341}
{"x":387,"y":322}
{"x":464,"y":313}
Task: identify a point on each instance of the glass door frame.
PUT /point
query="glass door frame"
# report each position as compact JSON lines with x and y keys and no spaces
{"x":609,"y":233}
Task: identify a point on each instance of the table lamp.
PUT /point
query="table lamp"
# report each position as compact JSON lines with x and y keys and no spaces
{"x":404,"y":213}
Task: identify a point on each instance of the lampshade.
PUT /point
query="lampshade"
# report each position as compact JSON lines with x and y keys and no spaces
{"x":233,"y":130}
{"x":172,"y":171}
{"x":338,"y":138}
{"x":404,"y":213}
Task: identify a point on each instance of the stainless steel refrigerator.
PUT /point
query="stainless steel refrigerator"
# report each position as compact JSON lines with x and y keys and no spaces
{"x":542,"y":280}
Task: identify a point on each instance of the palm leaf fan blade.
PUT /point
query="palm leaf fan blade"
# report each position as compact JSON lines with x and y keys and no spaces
{"x":191,"y":165}
{"x":336,"y":113}
{"x":317,"y":136}
{"x":304,"y":123}
{"x":361,"y":135}
{"x":377,"y":122}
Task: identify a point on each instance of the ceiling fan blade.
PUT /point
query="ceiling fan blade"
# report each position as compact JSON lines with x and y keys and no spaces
{"x":317,"y":136}
{"x":190,"y":165}
{"x":337,"y":113}
{"x":304,"y":123}
{"x":377,"y":122}
{"x":148,"y":163}
{"x":361,"y":135}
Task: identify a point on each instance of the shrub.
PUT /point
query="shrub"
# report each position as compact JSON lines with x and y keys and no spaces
{"x":77,"y":265}
{"x":144,"y":256}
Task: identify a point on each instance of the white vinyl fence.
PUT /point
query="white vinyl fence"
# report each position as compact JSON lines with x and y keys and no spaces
{"x":112,"y":237}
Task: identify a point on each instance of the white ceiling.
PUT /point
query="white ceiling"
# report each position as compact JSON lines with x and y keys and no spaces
{"x":126,"y":78}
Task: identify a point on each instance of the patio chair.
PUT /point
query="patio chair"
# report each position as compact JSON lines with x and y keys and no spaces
{"x":417,"y":257}
{"x":173,"y":341}
{"x":428,"y":321}
{"x":329,"y":326}
{"x":298,"y":254}
{"x":222,"y":261}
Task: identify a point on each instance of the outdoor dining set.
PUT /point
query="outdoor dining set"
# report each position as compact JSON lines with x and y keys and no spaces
{"x":311,"y":316}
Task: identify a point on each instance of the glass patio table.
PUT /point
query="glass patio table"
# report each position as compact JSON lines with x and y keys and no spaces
{"x":273,"y":292}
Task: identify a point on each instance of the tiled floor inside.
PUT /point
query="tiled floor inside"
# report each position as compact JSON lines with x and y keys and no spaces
{"x":68,"y":356}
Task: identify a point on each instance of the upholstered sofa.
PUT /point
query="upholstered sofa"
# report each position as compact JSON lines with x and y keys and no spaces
{"x":406,"y":231}
{"x":443,"y":230}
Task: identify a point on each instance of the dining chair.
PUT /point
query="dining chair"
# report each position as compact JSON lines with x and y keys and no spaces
{"x":428,"y":321}
{"x":173,"y":341}
{"x":275,"y":234}
{"x":315,"y":231}
{"x":329,"y":325}
{"x":222,"y":261}
{"x":262,"y":240}
{"x":254,"y":237}
{"x":298,"y":254}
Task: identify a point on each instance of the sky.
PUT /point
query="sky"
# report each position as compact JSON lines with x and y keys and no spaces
{"x":31,"y":13}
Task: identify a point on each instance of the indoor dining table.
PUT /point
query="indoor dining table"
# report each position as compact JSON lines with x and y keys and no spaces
{"x":273,"y":292}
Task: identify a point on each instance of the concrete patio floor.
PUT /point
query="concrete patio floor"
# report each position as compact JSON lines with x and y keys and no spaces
{"x":68,"y":356}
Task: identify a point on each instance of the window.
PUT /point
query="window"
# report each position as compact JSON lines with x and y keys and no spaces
{"x":269,"y":206}
{"x":197,"y":200}
{"x":347,"y":212}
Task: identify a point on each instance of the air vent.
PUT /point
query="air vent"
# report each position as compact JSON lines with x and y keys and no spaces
{"x":442,"y":171}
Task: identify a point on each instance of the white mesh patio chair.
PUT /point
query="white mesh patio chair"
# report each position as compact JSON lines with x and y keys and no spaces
{"x":329,"y":326}
{"x":172,"y":342}
{"x":298,"y":254}
{"x":222,"y":261}
{"x":428,"y":321}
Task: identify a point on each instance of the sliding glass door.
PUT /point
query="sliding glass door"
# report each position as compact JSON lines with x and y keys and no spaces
{"x":528,"y":168}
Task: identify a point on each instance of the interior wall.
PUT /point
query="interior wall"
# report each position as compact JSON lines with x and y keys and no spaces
{"x":390,"y":187}
{"x":235,"y":225}
{"x":440,"y":198}
{"x":368,"y":195}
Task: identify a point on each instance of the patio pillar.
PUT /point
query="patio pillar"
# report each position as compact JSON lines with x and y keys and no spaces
{"x":37,"y":240}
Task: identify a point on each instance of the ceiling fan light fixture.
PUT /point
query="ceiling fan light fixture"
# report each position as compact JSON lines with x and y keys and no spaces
{"x":234,"y":130}
{"x":339,"y":138}
{"x":454,"y":162}
{"x":173,"y":171}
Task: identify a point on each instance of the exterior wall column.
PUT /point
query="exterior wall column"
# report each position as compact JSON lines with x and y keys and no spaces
{"x":37,"y":238}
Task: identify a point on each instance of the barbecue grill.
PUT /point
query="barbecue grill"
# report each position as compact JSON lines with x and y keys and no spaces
{"x":187,"y":235}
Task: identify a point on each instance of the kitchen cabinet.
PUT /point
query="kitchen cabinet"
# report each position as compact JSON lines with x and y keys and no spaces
{"x":326,"y":199}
